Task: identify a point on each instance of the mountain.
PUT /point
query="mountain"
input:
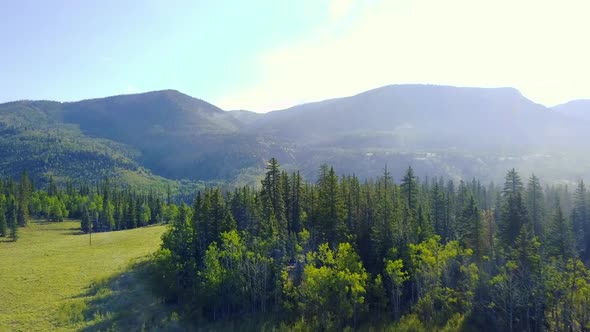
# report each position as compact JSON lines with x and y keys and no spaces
{"x":441,"y":130}
{"x":578,"y":109}
{"x":155,"y":136}
{"x":245,"y":117}
{"x":140,"y":137}
{"x":416,"y":116}
{"x":176,"y":135}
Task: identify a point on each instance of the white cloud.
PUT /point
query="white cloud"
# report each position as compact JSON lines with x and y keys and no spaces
{"x":537,"y":46}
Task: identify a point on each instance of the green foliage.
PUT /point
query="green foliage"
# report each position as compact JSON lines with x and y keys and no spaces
{"x":397,"y":277}
{"x":514,"y":218}
{"x":333,"y":254}
{"x":535,"y":205}
{"x":333,"y":287}
{"x":560,"y":239}
{"x":445,"y":280}
{"x":3,"y":222}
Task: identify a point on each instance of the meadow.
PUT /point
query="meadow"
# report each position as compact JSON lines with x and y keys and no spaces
{"x":52,"y":279}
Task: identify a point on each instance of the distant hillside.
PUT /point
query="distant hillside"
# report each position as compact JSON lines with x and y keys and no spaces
{"x":440,"y":130}
{"x":417,"y":116}
{"x":33,"y":137}
{"x":578,"y":109}
{"x":176,"y":135}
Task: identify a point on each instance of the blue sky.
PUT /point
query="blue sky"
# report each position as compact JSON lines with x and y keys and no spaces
{"x":264,"y":55}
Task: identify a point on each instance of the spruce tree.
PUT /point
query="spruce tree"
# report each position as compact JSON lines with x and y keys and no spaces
{"x":470,"y":230}
{"x":409,"y":193}
{"x":13,"y":224}
{"x":560,"y":239}
{"x":273,"y":205}
{"x":3,"y":222}
{"x":514,"y":217}
{"x":581,"y":219}
{"x":330,"y":208}
{"x":409,"y":190}
{"x":25,"y":189}
{"x":513,"y":184}
{"x":438,"y":206}
{"x":514,"y":214}
{"x":387,"y":224}
{"x":535,"y":206}
{"x":85,"y":220}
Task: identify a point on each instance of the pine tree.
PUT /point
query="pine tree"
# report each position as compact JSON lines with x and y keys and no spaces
{"x":409,"y":193}
{"x":409,"y":190}
{"x":13,"y":224}
{"x":85,"y":220}
{"x":330,"y":208}
{"x":513,"y":184}
{"x":514,"y":217}
{"x":470,"y":230}
{"x":52,"y":187}
{"x":107,"y":217}
{"x":438,"y":204}
{"x":130,"y":214}
{"x":297,"y":215}
{"x":24,"y":194}
{"x":560,"y":239}
{"x":581,"y":219}
{"x":535,"y":206}
{"x":3,"y":222}
{"x":273,"y":205}
{"x":514,"y":214}
{"x":387,"y":221}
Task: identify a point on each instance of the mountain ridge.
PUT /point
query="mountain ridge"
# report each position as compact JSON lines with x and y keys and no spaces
{"x":170,"y":134}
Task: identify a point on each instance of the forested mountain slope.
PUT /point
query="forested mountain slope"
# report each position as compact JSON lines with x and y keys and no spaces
{"x":33,"y":137}
{"x":440,"y":130}
{"x":177,"y":136}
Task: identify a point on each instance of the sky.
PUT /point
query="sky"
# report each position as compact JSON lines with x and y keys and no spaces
{"x":263,"y":55}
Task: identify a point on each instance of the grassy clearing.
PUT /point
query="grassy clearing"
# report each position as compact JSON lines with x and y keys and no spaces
{"x":51,"y":279}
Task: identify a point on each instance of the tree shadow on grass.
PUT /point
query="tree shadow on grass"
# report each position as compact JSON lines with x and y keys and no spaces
{"x":74,"y":231}
{"x":124,"y":302}
{"x":127,"y":302}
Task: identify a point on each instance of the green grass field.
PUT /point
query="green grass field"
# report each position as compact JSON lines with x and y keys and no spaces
{"x":51,"y":279}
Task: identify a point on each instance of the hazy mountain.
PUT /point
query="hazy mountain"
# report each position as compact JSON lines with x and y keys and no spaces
{"x":578,"y":109}
{"x":418,"y":116}
{"x":440,"y":130}
{"x":245,"y":117}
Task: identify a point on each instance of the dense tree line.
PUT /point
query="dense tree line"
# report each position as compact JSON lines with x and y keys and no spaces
{"x":424,"y":254}
{"x":101,"y":207}
{"x":15,"y":198}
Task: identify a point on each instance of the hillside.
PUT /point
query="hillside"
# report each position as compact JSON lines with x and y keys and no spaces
{"x":177,"y":136}
{"x":441,"y":130}
{"x":576,"y":109}
{"x":150,"y":137}
{"x":34,"y":137}
{"x":136,"y":138}
{"x":416,"y":116}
